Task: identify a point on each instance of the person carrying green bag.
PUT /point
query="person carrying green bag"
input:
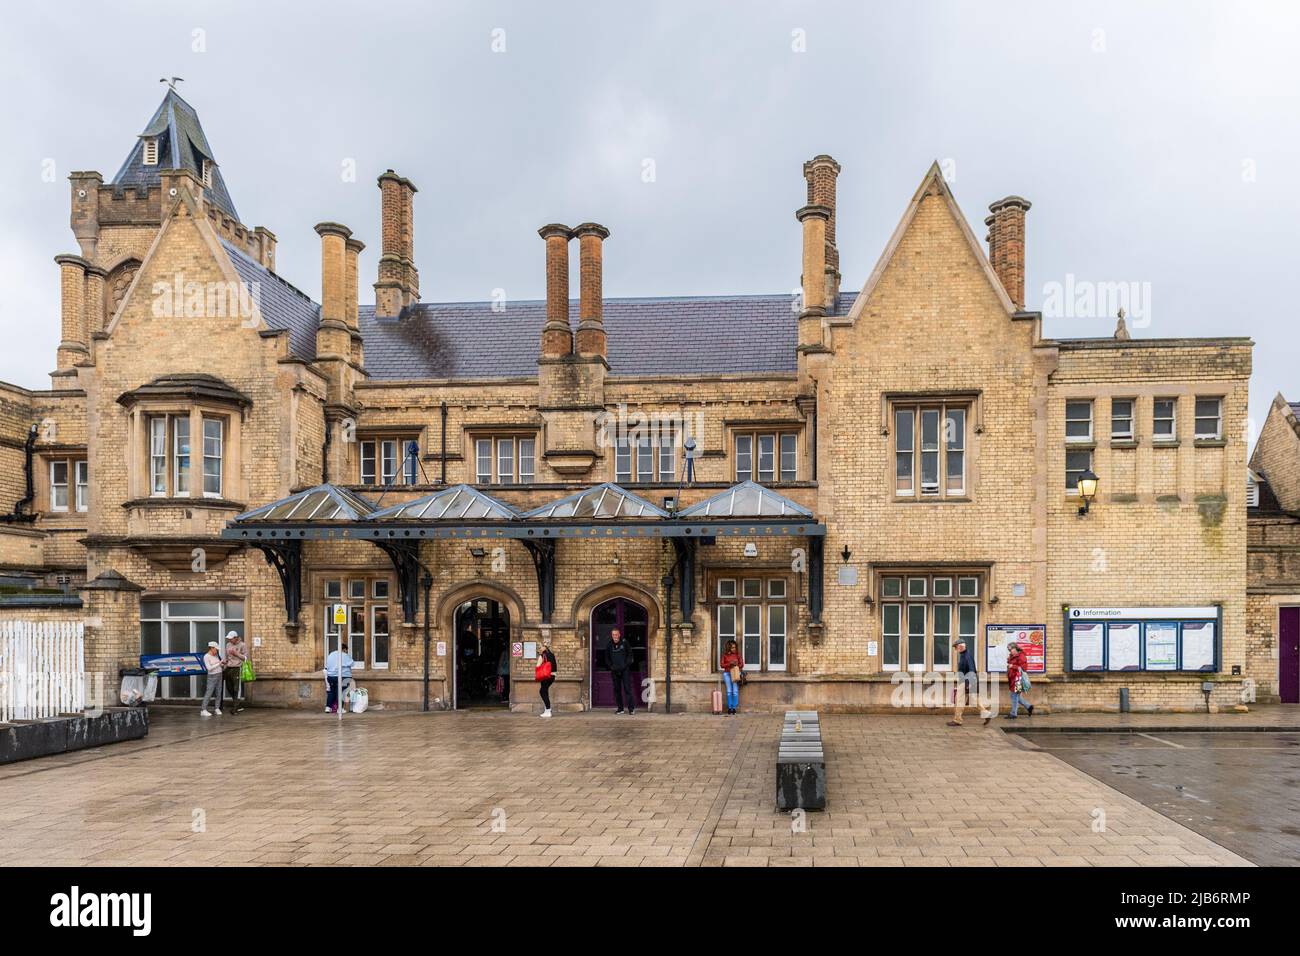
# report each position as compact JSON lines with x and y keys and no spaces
{"x":238,"y":669}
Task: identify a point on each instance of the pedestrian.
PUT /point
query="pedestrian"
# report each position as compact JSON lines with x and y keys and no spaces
{"x":212,"y":661}
{"x":503,"y":675}
{"x":619,"y":660}
{"x":732,"y":668}
{"x":545,"y":674}
{"x":967,"y":682}
{"x":233,"y":665}
{"x":1018,"y":680}
{"x":338,"y":669}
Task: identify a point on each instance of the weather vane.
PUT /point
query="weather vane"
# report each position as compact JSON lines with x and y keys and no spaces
{"x":171,"y":84}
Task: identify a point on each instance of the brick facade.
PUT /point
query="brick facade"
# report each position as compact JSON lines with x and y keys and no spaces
{"x":937,"y":325}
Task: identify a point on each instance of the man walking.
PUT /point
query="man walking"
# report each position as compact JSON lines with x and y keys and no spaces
{"x":233,"y":665}
{"x":618,"y":658}
{"x":967,"y":681}
{"x":338,"y":670}
{"x":212,"y":692}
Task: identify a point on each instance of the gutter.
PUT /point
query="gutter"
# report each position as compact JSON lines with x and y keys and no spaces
{"x":21,"y":514}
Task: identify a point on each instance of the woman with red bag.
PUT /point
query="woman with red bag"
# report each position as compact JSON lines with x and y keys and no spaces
{"x":1017,"y":680}
{"x":545,"y":675}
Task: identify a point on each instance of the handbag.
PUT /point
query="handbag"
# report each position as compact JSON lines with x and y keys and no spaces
{"x":246,"y":674}
{"x":735,"y":673}
{"x":543,"y":670}
{"x":1024,"y":682}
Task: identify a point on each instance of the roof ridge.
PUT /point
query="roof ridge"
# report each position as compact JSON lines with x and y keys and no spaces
{"x":767,"y":296}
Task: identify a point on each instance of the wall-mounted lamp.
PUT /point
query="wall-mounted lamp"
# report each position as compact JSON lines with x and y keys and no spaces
{"x":1087,"y":489}
{"x":477,"y":553}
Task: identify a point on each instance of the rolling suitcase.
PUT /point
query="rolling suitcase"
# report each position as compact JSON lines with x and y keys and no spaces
{"x":717,"y":701}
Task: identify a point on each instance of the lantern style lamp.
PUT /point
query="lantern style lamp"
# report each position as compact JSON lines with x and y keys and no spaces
{"x":1087,"y":490}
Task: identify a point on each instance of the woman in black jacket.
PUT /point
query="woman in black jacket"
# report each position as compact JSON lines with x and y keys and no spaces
{"x":546,"y":682}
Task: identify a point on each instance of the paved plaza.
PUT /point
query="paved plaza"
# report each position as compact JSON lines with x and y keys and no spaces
{"x":269,"y":787}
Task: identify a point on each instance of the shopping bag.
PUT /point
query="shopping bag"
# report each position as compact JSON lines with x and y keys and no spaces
{"x":246,"y":671}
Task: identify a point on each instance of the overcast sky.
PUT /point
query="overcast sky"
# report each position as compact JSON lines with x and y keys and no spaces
{"x":1158,"y":142}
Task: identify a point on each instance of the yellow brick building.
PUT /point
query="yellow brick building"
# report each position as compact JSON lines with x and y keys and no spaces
{"x":844,"y":483}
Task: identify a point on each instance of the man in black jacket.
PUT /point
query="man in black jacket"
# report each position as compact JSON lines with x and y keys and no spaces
{"x":967,"y":682}
{"x":618,"y":658}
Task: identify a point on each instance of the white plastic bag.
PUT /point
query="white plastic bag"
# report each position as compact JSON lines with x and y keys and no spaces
{"x":359,"y":700}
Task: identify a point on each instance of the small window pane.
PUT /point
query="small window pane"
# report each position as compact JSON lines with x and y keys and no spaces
{"x":333,"y":589}
{"x":891,"y":623}
{"x":776,"y":587}
{"x":916,"y":587}
{"x":622,"y":461}
{"x":891,"y":587}
{"x":388,"y":461}
{"x":766,"y":457}
{"x":943,"y":587}
{"x":943,"y":636}
{"x":1121,"y":418}
{"x":968,"y":587}
{"x":1078,"y":421}
{"x":776,"y":637}
{"x":1076,"y":463}
{"x":645,"y":462}
{"x":379,"y":588}
{"x":903,"y":451}
{"x":1208,"y":418}
{"x":357,"y":590}
{"x":367,"y":462}
{"x":527,"y":460}
{"x":751,"y":642}
{"x":752,"y":588}
{"x":930,"y":451}
{"x":727,"y":588}
{"x":789,"y":457}
{"x":59,"y":485}
{"x":506,"y":461}
{"x":916,"y":637}
{"x":1164,"y":419}
{"x":744,"y":458}
{"x":181,"y":455}
{"x":483,"y":461}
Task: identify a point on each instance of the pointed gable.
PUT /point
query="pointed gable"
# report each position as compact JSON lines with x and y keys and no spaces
{"x":323,"y":503}
{"x":605,"y":500}
{"x":457,"y":503}
{"x":746,"y":500}
{"x":181,"y":145}
{"x":933,"y":185}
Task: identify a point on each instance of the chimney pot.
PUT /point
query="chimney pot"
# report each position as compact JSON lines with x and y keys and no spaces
{"x":1007,"y":245}
{"x":557,"y":335}
{"x":590,"y":339}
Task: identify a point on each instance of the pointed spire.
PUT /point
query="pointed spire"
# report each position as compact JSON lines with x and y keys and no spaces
{"x":174,"y":139}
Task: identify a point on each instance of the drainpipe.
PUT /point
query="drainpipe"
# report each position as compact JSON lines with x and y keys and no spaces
{"x":668,"y":642}
{"x":444,"y":443}
{"x":20,"y":514}
{"x":325,"y":454}
{"x":427,"y":582}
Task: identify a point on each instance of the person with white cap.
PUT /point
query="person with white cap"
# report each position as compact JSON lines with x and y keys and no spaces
{"x":212,"y":661}
{"x":233,"y":664}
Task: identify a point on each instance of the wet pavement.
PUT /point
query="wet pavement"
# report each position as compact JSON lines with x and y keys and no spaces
{"x":1239,"y":789}
{"x":298,"y":788}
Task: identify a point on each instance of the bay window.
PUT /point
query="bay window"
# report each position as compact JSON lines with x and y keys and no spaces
{"x":171,"y":455}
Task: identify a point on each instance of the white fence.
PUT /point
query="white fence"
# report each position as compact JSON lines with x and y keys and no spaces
{"x":42,"y":669}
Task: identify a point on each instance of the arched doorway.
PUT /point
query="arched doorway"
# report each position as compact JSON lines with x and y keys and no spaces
{"x":482,"y":648}
{"x":633,"y":621}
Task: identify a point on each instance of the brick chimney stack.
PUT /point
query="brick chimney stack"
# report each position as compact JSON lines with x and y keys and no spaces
{"x":557,"y":335}
{"x":74,"y":343}
{"x":399,"y":281}
{"x":590,"y":340}
{"x":821,"y":173}
{"x":333,"y":338}
{"x":1006,"y":240}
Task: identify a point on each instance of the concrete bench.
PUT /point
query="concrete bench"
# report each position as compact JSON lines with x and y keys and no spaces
{"x":801,"y":763}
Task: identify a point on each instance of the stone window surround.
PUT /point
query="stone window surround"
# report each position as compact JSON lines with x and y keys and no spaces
{"x":400,"y":434}
{"x":711,"y":601}
{"x":974,"y":402}
{"x":778,"y":427}
{"x":981,"y":602}
{"x":232,"y":478}
{"x":494,"y":433}
{"x":45,"y":483}
{"x":316,"y":600}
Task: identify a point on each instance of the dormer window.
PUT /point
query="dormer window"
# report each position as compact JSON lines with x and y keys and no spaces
{"x":151,"y":151}
{"x":207,"y":173}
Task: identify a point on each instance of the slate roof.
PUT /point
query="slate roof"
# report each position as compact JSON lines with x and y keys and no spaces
{"x":282,"y":306}
{"x":695,"y":335}
{"x":181,"y":145}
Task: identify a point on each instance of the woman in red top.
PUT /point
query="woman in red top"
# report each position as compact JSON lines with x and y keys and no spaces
{"x":1016,"y":667}
{"x":732,"y":667}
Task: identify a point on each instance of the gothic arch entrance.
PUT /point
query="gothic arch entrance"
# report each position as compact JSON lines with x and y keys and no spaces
{"x":633,"y":620}
{"x":482,"y":654}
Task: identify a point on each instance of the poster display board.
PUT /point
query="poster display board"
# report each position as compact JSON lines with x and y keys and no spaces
{"x":1086,"y":645}
{"x":1198,"y":646}
{"x":174,"y":665}
{"x":1143,"y":638}
{"x":1125,"y":641}
{"x":1032,"y":639}
{"x":1162,"y":646}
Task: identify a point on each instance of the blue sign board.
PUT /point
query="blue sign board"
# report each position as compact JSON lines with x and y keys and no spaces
{"x":174,"y":665}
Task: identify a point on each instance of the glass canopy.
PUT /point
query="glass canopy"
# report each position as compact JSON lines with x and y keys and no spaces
{"x":457,"y":503}
{"x":322,"y":503}
{"x":606,"y":500}
{"x":746,"y":500}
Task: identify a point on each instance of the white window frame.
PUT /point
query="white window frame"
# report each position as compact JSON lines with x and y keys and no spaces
{"x":746,"y":610}
{"x":483,"y":454}
{"x":81,"y":479}
{"x":954,"y":442}
{"x":1073,"y":418}
{"x":1156,"y":419}
{"x":901,"y":452}
{"x":219,"y":457}
{"x":784,"y":610}
{"x":181,"y":473}
{"x":761,"y":456}
{"x":886,"y":633}
{"x":1217,"y":434}
{"x":158,"y":456}
{"x":1132,"y":408}
{"x":374,"y":633}
{"x":1072,"y":474}
{"x":65,"y":484}
{"x":912,"y":455}
{"x":924,"y":635}
{"x":526,"y":448}
{"x":946,"y":638}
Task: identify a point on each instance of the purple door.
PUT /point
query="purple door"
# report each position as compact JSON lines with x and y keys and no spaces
{"x":1288,"y":655}
{"x":631,"y":619}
